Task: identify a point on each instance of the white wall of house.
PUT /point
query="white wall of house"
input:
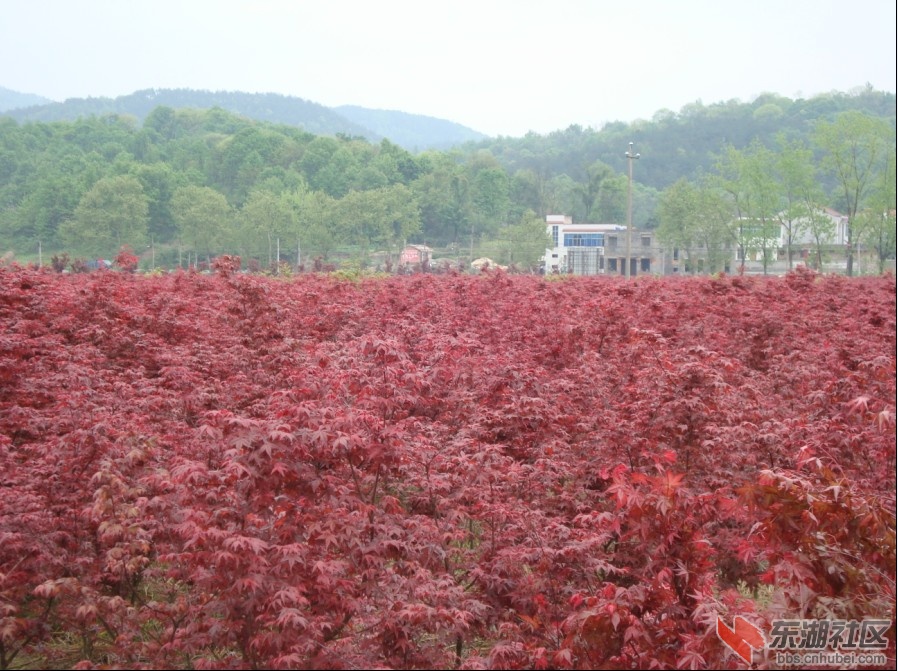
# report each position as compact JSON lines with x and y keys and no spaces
{"x":559,"y":225}
{"x":837,"y":224}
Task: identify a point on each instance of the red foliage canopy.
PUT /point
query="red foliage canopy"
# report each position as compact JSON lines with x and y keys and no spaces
{"x":506,"y":472}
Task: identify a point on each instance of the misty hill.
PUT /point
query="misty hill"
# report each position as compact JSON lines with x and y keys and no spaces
{"x":10,"y":99}
{"x":316,"y":119}
{"x":410,"y":131}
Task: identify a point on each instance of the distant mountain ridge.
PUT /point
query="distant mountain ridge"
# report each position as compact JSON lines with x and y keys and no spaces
{"x":413,"y":132}
{"x":10,"y":99}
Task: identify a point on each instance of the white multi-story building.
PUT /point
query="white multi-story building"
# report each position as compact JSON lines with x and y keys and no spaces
{"x":576,"y":248}
{"x":595,"y":249}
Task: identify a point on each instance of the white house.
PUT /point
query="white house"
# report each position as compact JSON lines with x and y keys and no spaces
{"x":596,"y":249}
{"x":756,"y":239}
{"x":576,"y":248}
{"x":833,"y":224}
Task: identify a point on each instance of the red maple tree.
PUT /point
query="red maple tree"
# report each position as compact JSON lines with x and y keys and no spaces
{"x":493,"y":471}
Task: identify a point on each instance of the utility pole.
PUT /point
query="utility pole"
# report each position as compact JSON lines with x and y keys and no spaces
{"x":630,"y":158}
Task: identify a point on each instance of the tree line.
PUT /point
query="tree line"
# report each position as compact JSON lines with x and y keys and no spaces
{"x":757,"y":198}
{"x":204,"y":182}
{"x":190,"y":183}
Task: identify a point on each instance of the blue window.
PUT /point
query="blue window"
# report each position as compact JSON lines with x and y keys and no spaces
{"x":584,"y":239}
{"x":555,"y":236}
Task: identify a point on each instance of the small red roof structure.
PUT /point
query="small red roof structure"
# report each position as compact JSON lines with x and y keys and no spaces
{"x":414,"y":254}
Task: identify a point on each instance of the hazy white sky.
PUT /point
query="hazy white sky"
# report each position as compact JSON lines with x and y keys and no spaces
{"x":502,"y":67}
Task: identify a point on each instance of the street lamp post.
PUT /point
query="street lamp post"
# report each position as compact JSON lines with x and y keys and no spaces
{"x":630,"y":158}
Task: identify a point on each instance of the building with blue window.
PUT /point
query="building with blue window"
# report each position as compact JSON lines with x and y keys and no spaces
{"x":596,"y":249}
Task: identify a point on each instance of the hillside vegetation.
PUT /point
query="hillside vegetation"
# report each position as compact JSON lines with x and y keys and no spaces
{"x":685,"y":143}
{"x":179,"y":182}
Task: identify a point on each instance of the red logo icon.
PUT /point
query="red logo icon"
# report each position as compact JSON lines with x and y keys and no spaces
{"x":742,"y":638}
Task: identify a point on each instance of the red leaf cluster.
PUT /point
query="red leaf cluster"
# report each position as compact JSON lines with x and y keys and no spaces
{"x":231,"y":471}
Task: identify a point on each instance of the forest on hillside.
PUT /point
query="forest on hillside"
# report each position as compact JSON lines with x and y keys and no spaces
{"x":686,"y":143}
{"x":196,"y":183}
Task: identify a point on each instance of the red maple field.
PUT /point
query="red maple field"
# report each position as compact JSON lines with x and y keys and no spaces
{"x":494,"y":471}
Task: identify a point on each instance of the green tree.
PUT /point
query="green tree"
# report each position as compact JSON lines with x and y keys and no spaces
{"x":330,"y":165}
{"x":489,"y":192}
{"x":531,"y":190}
{"x":877,"y":222}
{"x":384,"y":165}
{"x":246,"y":157}
{"x":44,"y":188}
{"x":490,"y":195}
{"x":732,"y":168}
{"x":407,"y":169}
{"x":588,"y":191}
{"x":696,"y":219}
{"x":113,"y":213}
{"x":764,"y":201}
{"x":269,"y":215}
{"x":612,"y":205}
{"x":715,"y":225}
{"x":45,"y":208}
{"x":521,"y":244}
{"x":432,"y":191}
{"x":797,"y":176}
{"x":442,"y":193}
{"x":387,"y":216}
{"x":159,"y":181}
{"x":854,"y":149}
{"x":163,"y":122}
{"x":203,"y":217}
{"x":677,"y":209}
{"x":819,"y":226}
{"x":316,"y":230}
